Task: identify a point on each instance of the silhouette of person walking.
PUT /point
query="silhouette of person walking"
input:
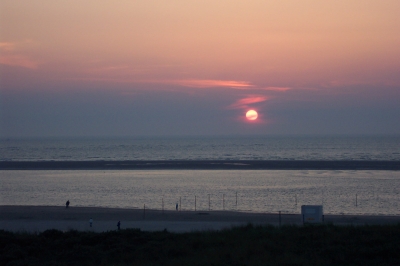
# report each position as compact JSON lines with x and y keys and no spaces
{"x":67,"y":204}
{"x":118,"y":225}
{"x":91,"y":222}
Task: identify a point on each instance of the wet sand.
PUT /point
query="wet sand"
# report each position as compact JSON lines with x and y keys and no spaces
{"x":41,"y":218}
{"x":201,"y":165}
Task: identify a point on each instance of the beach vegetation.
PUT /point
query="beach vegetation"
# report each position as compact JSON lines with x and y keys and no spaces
{"x":246,"y":245}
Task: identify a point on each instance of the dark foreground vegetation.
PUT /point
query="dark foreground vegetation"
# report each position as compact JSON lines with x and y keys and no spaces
{"x":248,"y":245}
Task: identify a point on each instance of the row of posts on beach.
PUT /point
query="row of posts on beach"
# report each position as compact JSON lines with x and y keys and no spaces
{"x":178,"y":205}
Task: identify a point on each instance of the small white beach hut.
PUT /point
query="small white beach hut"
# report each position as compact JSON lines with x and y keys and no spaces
{"x":312,"y":214}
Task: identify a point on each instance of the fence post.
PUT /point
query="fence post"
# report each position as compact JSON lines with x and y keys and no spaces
{"x":236,"y":199}
{"x":280,"y":220}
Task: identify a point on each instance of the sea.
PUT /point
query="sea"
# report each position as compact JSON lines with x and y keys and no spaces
{"x":370,"y":192}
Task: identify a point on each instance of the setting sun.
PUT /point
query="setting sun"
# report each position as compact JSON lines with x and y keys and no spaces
{"x":251,"y":115}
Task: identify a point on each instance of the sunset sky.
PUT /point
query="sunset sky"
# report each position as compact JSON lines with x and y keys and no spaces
{"x":185,"y":67}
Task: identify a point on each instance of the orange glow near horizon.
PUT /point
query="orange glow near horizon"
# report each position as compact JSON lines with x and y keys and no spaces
{"x":265,"y":48}
{"x":213,"y":83}
{"x":199,"y":66}
{"x":245,"y":102}
{"x":290,"y":43}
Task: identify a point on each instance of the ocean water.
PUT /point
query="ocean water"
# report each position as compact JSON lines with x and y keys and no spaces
{"x":340,"y":192}
{"x":347,"y":192}
{"x":204,"y":148}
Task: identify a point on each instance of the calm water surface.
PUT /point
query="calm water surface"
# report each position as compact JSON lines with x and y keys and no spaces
{"x":350,"y":192}
{"x":204,"y":148}
{"x":347,"y":192}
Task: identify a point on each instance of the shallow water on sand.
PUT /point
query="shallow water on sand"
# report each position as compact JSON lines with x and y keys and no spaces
{"x":347,"y":192}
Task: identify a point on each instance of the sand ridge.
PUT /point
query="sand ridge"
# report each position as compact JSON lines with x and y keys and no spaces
{"x":41,"y":218}
{"x":202,"y":165}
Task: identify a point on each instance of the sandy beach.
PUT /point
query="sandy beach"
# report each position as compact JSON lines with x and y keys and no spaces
{"x":41,"y":218}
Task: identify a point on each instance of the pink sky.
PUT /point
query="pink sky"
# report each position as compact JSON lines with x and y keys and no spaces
{"x":274,"y":56}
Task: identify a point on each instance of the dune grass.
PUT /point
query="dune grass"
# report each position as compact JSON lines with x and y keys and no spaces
{"x":247,"y":245}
